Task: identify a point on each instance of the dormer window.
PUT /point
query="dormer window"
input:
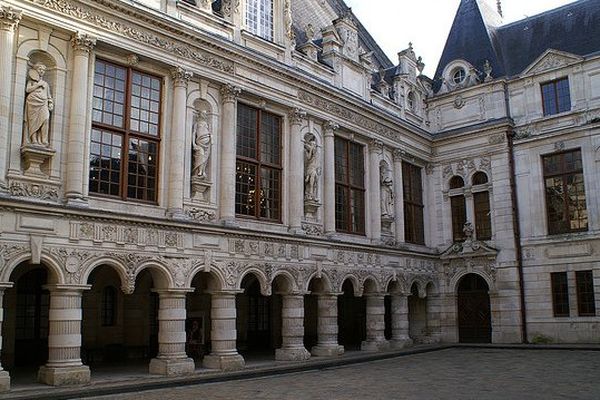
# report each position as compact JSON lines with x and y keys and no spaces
{"x":259,"y":18}
{"x":459,"y":76}
{"x":411,"y":101}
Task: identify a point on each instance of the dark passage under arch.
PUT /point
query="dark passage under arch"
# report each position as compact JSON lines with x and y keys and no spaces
{"x":474,"y":313}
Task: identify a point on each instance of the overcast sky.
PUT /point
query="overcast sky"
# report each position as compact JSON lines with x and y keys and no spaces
{"x":426,"y":23}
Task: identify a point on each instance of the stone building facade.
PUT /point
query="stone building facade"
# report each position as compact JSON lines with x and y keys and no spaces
{"x":196,"y":180}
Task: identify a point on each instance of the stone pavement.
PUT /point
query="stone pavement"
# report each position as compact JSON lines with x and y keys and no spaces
{"x":457,"y":373}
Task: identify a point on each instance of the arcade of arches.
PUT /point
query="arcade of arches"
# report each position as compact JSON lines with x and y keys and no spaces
{"x":68,"y":331}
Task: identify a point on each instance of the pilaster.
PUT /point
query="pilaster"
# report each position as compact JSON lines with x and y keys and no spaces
{"x":329,"y":130}
{"x":296,"y":171}
{"x":375,"y":152}
{"x":399,"y":196}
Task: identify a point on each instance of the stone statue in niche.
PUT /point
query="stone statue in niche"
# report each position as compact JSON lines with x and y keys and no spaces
{"x":387,"y":195}
{"x":312,"y":168}
{"x":202,"y":145}
{"x":38,"y":105}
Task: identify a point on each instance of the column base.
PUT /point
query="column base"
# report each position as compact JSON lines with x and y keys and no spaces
{"x":327,"y":350}
{"x":398,"y":344}
{"x":379,"y":345}
{"x":295,"y":354}
{"x":230,"y":223}
{"x":231,"y":362}
{"x":172,"y":367}
{"x":64,"y":376}
{"x":77,"y":202}
{"x":177,"y":214}
{"x":4,"y":381}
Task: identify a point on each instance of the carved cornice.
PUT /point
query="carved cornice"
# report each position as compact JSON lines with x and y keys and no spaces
{"x":181,"y":77}
{"x":83,"y":42}
{"x":230,"y":93}
{"x":9,"y":18}
{"x":296,"y":116}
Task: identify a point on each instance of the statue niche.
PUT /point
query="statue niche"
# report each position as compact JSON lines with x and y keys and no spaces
{"x":387,"y":197}
{"x":312,"y":172}
{"x":201,"y":149}
{"x":38,"y":106}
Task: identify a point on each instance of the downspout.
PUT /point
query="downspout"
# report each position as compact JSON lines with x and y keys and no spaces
{"x":516,"y":216}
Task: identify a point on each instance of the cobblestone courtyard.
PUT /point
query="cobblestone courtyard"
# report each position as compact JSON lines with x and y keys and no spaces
{"x":463,"y":374}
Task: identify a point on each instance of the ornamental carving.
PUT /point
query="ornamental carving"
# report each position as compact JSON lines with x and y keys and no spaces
{"x":34,"y":190}
{"x":265,"y":249}
{"x":198,"y":214}
{"x":83,"y":42}
{"x":124,"y":234}
{"x":126,"y":29}
{"x":230,"y":93}
{"x":346,"y":114}
{"x":73,"y":260}
{"x":312,"y":229}
{"x":9,"y":18}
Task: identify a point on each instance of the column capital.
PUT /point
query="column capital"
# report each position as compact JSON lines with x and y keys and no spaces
{"x":82,"y":42}
{"x":330,"y":128}
{"x":376,"y":145}
{"x":9,"y":18}
{"x":181,"y":76}
{"x":398,"y":155}
{"x":296,"y":116}
{"x":230,"y":93}
{"x":73,"y":290}
{"x":173,"y":293}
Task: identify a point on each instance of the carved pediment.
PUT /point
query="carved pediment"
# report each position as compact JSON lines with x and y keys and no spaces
{"x":469,"y":249}
{"x":551,"y":59}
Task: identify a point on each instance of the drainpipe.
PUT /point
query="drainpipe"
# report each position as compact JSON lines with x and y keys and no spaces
{"x":516,"y":217}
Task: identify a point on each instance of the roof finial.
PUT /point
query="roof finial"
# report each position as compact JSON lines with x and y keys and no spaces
{"x":499,"y":4}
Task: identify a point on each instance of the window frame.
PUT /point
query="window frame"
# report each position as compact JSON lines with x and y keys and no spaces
{"x":591,"y":299}
{"x":259,"y":31}
{"x":554,"y":84}
{"x":259,"y":164}
{"x":349,"y":187}
{"x":126,"y":134}
{"x":458,"y":225}
{"x":563,"y":174}
{"x":418,"y":230}
{"x":560,"y":297}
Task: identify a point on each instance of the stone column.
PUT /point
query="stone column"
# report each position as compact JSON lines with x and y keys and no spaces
{"x":172,"y":359}
{"x":4,"y":376}
{"x":400,"y":324}
{"x":9,"y":20}
{"x":375,"y":323}
{"x":375,"y":151}
{"x":292,"y":330}
{"x":296,"y":171}
{"x":329,"y":129}
{"x":176,"y":158}
{"x":470,"y":210}
{"x":64,"y":366}
{"x":229,"y":95}
{"x":434,"y":323}
{"x":327,"y":327}
{"x":223,"y":334}
{"x":399,"y":196}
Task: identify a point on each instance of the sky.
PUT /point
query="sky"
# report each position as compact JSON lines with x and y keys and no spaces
{"x":426,"y":23}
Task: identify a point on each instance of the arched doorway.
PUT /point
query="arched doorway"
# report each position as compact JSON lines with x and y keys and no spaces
{"x":474,"y":314}
{"x":256,"y":327}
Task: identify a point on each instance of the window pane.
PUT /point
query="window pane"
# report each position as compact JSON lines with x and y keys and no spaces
{"x":247,"y":131}
{"x":109,"y":94}
{"x":105,"y":162}
{"x":269,"y":193}
{"x":413,"y":204}
{"x":145,"y":113}
{"x":357,"y":208}
{"x":560,"y":294}
{"x":245,"y":189}
{"x":459,"y":217}
{"x":141,"y":164}
{"x":270,"y":139}
{"x":483,"y":219}
{"x":357,"y":172}
{"x":556,"y":96}
{"x":342,"y":202}
{"x":341,"y":161}
{"x":586,"y":302}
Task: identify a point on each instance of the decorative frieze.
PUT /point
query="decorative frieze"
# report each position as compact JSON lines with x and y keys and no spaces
{"x":201,"y":215}
{"x":124,"y":234}
{"x":264,"y":249}
{"x":33,"y":190}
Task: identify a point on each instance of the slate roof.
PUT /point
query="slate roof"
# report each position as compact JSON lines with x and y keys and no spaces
{"x":476,"y":35}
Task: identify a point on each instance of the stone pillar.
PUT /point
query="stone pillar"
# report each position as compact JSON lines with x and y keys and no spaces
{"x":327,"y":327}
{"x":470,"y":210}
{"x":229,"y":95}
{"x":292,"y":330}
{"x":375,"y":151}
{"x":329,"y":177}
{"x":434,"y":323}
{"x":399,"y":196}
{"x":400,"y":324}
{"x":172,"y":359}
{"x":223,"y":334}
{"x":4,"y":376}
{"x":9,"y":20}
{"x":375,"y":323}
{"x":64,"y":366}
{"x":296,"y":171}
{"x":177,"y":148}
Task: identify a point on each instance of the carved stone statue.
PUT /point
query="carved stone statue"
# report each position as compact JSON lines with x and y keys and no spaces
{"x":387,"y":195}
{"x":201,"y":145}
{"x":312,"y":168}
{"x":468,"y":231}
{"x":38,"y":105}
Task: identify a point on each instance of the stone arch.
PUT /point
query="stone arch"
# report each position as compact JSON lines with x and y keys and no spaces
{"x":370,"y":285}
{"x":265,"y":287}
{"x":395,"y":285}
{"x":421,"y":286}
{"x":161,"y":276}
{"x":29,"y":47}
{"x":456,"y":182}
{"x":283,"y":281}
{"x":478,"y":173}
{"x":356,"y":286}
{"x":325,"y":281}
{"x":213,"y":271}
{"x":459,"y":275}
{"x":116,"y":265}
{"x":54,"y":266}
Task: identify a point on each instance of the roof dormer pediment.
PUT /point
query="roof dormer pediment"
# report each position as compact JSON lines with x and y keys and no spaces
{"x":551,"y":59}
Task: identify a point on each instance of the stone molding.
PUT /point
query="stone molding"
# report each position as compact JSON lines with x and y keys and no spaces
{"x":83,"y":42}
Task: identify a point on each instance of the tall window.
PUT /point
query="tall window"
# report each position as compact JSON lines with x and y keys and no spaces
{"x":481,"y":206}
{"x":258,"y":167}
{"x":259,"y":18}
{"x":109,"y":306}
{"x":125,"y":133}
{"x":556,"y":97}
{"x":586,"y":302}
{"x":565,"y":192}
{"x":349,"y":187}
{"x":560,"y":294}
{"x":459,"y":209}
{"x":413,"y":204}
